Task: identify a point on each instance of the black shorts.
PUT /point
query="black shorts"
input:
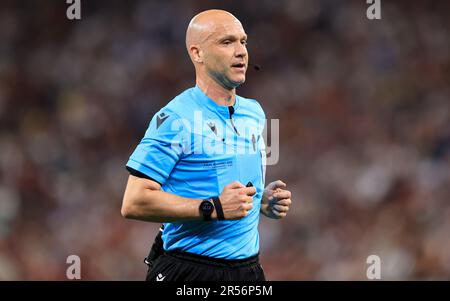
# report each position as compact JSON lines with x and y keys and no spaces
{"x":182,"y":266}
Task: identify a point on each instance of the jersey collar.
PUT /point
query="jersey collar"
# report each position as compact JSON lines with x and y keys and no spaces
{"x":205,"y":101}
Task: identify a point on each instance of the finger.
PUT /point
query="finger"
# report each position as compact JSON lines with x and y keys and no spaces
{"x":278,"y":184}
{"x":248,"y":206}
{"x":275,"y":184}
{"x":247,"y":199}
{"x":279,"y":214}
{"x":250,"y":191}
{"x":235,"y":185}
{"x":281,"y":208}
{"x":283,"y":194}
{"x":283,"y":202}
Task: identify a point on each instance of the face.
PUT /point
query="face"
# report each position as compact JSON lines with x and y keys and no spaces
{"x":225,"y":54}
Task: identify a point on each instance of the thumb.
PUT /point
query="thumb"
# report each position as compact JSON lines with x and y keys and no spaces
{"x":277,"y":184}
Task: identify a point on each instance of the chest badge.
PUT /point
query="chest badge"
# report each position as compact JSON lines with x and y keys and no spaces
{"x":212,"y":126}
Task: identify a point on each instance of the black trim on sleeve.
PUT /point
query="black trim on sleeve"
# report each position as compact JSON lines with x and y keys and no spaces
{"x":139,"y":174}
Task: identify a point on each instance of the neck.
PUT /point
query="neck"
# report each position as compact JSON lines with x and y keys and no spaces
{"x":218,"y":93}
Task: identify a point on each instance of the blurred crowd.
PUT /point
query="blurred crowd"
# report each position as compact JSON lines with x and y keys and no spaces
{"x":364,"y":132}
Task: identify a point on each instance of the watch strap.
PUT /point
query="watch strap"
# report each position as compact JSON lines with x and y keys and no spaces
{"x":218,"y":207}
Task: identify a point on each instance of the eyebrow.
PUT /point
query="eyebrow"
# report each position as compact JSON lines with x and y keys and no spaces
{"x":232,"y":38}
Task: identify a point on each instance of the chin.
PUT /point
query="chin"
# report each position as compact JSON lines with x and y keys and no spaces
{"x":239,"y":81}
{"x":236,"y":84}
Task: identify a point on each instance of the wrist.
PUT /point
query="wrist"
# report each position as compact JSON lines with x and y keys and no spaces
{"x":211,"y":209}
{"x":206,"y":210}
{"x":265,"y":210}
{"x":214,"y":213}
{"x":218,"y":208}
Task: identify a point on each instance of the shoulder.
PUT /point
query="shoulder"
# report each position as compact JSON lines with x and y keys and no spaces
{"x":173,"y":117}
{"x":181,"y":105}
{"x":253,"y":106}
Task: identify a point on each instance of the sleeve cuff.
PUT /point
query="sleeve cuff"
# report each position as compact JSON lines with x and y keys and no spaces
{"x":138,"y":170}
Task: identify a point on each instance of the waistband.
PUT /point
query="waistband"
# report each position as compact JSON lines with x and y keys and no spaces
{"x":219,"y":262}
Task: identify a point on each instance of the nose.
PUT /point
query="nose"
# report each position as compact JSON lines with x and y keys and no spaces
{"x":240,"y":51}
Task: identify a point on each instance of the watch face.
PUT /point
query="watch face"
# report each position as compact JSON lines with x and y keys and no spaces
{"x":207,"y":207}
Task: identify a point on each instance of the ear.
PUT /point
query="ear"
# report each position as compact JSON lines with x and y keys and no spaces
{"x":196,"y":53}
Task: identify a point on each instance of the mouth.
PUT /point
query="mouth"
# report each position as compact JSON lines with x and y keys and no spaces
{"x":238,"y":66}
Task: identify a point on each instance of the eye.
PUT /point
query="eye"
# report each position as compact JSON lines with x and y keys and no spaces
{"x":226,"y":42}
{"x":244,"y":42}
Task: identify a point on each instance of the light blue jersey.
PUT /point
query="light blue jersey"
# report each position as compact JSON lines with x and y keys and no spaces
{"x":194,"y":149}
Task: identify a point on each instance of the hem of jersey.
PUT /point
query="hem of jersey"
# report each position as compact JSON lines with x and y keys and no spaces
{"x":241,"y":256}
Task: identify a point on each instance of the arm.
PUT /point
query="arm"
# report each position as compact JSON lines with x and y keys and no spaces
{"x":144,"y":200}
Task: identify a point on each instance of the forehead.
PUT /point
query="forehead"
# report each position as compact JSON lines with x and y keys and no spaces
{"x":228,"y":28}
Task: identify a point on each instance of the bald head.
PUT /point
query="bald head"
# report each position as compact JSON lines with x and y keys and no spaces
{"x":203,"y":26}
{"x":217,"y":45}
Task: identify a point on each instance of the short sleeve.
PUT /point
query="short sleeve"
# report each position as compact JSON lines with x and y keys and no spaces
{"x":161,"y":148}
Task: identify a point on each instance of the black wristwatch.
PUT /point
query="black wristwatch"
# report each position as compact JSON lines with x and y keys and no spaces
{"x":206,"y":209}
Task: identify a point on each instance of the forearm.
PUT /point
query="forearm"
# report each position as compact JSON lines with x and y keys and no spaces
{"x":153,"y":205}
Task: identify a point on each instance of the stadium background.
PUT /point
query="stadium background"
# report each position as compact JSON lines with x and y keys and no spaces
{"x":364,"y":117}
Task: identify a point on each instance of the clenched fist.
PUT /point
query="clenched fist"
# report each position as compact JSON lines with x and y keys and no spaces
{"x":276,"y":200}
{"x":236,"y":200}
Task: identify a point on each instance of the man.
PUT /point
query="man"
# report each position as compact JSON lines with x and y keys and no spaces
{"x":200,"y":167}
